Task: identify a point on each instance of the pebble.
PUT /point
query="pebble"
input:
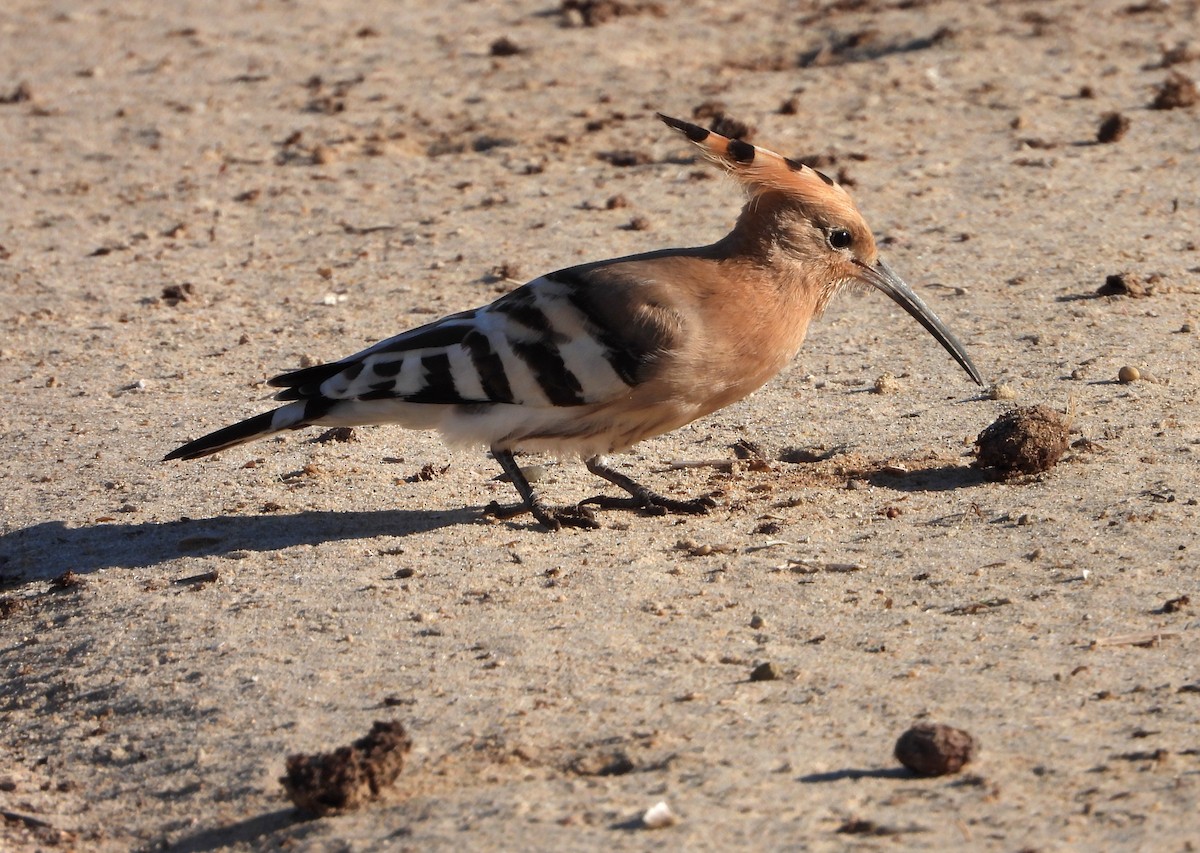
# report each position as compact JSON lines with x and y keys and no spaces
{"x":1128,"y":374}
{"x":659,"y":816}
{"x":765,"y":672}
{"x":932,"y":749}
{"x":534,"y":473}
{"x":886,"y":384}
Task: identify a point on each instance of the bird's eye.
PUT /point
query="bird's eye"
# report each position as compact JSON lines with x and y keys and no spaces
{"x":840,"y":238}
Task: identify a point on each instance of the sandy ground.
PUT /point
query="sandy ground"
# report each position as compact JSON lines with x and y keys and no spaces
{"x":199,"y":195}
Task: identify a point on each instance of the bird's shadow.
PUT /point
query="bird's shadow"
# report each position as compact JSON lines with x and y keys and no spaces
{"x":47,"y":550}
{"x":250,"y":831}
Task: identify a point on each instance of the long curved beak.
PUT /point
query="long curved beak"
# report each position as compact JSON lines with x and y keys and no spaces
{"x":883,"y":277}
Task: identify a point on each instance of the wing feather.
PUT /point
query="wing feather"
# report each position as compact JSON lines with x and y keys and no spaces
{"x":570,"y":338}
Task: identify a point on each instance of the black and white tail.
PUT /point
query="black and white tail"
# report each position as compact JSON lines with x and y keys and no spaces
{"x":293,"y":416}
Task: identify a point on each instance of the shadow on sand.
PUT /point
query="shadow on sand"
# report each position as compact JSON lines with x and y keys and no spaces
{"x":857,"y":773}
{"x":247,"y":832}
{"x":44,"y":551}
{"x":944,"y":478}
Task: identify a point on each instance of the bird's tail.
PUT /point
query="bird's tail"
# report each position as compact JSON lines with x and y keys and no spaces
{"x":292,"y":416}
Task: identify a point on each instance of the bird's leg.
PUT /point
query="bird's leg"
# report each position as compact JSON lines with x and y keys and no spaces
{"x":552,"y":519}
{"x":640,"y":496}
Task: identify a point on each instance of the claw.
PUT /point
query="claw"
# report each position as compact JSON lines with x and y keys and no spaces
{"x":503,"y":512}
{"x":552,"y":518}
{"x":652,"y":503}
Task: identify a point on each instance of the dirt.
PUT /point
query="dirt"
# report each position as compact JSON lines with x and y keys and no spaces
{"x":1177,"y":91}
{"x":1125,"y":284}
{"x":1113,"y":127}
{"x":200,"y":196}
{"x":349,"y":777}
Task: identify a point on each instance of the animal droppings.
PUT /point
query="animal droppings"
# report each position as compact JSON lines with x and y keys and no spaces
{"x":1026,"y":440}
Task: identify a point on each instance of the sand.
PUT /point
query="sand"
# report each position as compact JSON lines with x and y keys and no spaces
{"x":198,"y":196}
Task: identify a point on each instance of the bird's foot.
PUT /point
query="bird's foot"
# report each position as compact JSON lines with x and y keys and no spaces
{"x":653,"y":503}
{"x":552,"y":518}
{"x":640,"y":497}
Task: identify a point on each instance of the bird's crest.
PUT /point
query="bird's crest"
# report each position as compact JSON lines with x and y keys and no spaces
{"x":761,"y":170}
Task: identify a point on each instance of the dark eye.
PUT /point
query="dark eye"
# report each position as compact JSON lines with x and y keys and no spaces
{"x":840,"y":238}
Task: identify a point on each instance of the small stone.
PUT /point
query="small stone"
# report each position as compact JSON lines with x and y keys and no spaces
{"x":659,"y":816}
{"x":323,"y":155}
{"x":504,"y":46}
{"x":757,"y":621}
{"x":765,"y":672}
{"x":886,"y":383}
{"x":1113,"y":126}
{"x":1175,"y":605}
{"x":342,"y":435}
{"x":19,"y":95}
{"x":67,"y":580}
{"x":173,"y":294}
{"x":932,"y":749}
{"x":1128,"y":374}
{"x":507,"y":271}
{"x":1001,"y":391}
{"x":534,"y":473}
{"x":1123,"y":284}
{"x":625,"y":158}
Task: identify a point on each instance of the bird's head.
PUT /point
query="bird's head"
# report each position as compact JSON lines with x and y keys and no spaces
{"x":799,"y":219}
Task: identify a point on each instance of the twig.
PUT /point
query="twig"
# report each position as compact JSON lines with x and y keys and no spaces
{"x":811,"y":567}
{"x":725,"y":465}
{"x":29,"y":820}
{"x":1146,"y":638}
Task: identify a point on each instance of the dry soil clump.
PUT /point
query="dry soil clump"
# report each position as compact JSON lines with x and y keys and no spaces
{"x":1027,"y":440}
{"x":348,"y":777}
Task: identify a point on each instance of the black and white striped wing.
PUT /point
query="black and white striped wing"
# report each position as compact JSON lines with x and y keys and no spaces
{"x":551,"y":342}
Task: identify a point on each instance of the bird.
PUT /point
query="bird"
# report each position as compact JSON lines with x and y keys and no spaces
{"x":589,"y":360}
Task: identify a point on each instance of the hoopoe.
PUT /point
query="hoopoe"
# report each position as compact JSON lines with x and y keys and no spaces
{"x":592,"y":359}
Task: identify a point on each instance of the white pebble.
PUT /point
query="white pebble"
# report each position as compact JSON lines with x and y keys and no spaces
{"x":659,"y":816}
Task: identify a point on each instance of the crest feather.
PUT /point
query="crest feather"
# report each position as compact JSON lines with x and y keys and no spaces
{"x":760,"y":169}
